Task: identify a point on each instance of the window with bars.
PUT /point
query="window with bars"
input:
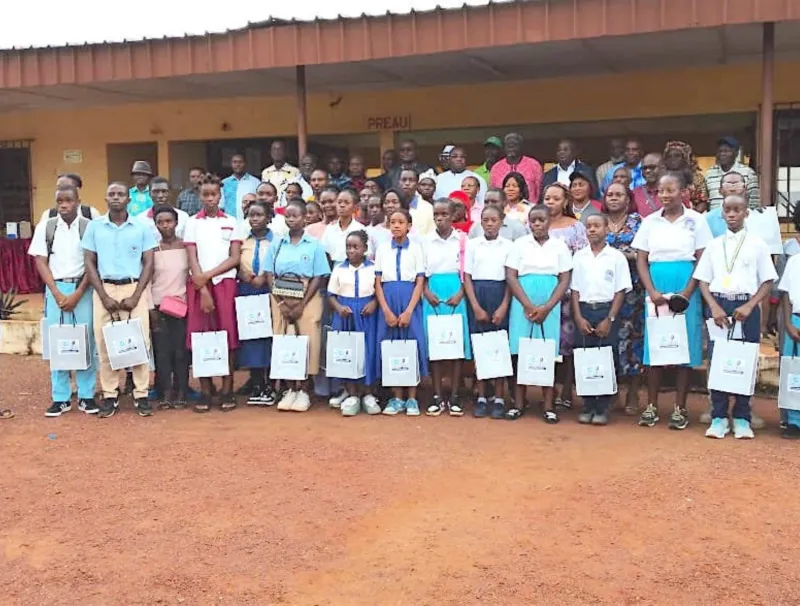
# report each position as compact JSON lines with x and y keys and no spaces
{"x":15,"y":182}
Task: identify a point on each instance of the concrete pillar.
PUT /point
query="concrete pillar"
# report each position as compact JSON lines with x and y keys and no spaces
{"x":766,"y":128}
{"x":302,"y":115}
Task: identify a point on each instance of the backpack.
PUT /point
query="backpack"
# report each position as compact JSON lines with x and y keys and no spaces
{"x":86,"y":212}
{"x":50,"y":231}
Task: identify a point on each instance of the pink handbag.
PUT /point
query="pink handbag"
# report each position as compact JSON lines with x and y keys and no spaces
{"x":173,"y":306}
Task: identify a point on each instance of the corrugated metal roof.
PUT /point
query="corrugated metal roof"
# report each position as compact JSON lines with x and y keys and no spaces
{"x":85,"y":23}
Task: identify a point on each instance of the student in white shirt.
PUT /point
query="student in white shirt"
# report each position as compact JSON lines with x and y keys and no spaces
{"x":267,"y":194}
{"x":790,"y":290}
{"x":334,"y":237}
{"x":600,"y":279}
{"x":421,"y":210}
{"x":669,"y":243}
{"x":159,"y":192}
{"x":735,"y":275}
{"x":90,"y":212}
{"x":488,"y":295}
{"x":538,"y":272}
{"x":68,"y":296}
{"x":444,"y":295}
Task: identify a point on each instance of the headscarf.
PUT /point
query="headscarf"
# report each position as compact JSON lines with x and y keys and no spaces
{"x":461,"y":196}
{"x":698,"y":191}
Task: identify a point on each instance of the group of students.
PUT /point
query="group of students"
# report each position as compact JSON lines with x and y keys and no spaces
{"x":380,"y":266}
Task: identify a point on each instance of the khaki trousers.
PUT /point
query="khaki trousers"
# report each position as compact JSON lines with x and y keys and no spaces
{"x":309,"y":324}
{"x":109,"y":379}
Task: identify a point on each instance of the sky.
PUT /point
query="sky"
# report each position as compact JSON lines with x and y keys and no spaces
{"x":58,"y":23}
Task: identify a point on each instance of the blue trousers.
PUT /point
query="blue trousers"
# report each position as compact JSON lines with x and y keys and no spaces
{"x":751,"y":331}
{"x":59,"y":379}
{"x":595,"y":314}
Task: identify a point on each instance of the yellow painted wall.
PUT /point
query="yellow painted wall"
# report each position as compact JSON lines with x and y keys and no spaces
{"x":709,"y":90}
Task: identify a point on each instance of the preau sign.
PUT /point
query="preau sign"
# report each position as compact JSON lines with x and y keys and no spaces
{"x":389,"y":122}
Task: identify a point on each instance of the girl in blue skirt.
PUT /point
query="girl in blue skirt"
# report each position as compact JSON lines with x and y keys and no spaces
{"x":538,"y":273}
{"x":669,"y":243}
{"x":488,"y":295}
{"x":399,"y":281}
{"x":351,"y":294}
{"x":255,"y":354}
{"x":444,"y":295}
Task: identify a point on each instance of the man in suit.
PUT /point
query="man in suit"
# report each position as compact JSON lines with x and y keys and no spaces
{"x":567,"y":163}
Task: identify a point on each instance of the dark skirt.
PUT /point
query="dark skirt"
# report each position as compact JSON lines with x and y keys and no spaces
{"x":490,"y":294}
{"x":397,"y":295}
{"x":253,"y":353}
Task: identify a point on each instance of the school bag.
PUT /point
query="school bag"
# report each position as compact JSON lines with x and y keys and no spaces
{"x":50,"y":230}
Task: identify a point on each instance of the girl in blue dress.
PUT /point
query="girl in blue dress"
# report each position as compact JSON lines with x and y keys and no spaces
{"x":255,"y":354}
{"x":351,"y":294}
{"x":538,"y":272}
{"x":399,"y":281}
{"x":444,"y":295}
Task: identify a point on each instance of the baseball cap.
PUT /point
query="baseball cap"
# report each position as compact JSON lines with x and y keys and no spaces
{"x":495,"y":141}
{"x":447,"y":149}
{"x":729,"y":141}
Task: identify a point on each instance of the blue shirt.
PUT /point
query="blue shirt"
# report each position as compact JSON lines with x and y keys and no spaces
{"x":233,"y":190}
{"x":119,"y":248}
{"x":306,"y":258}
{"x":716,"y":222}
{"x":140,"y":201}
{"x":637,"y":178}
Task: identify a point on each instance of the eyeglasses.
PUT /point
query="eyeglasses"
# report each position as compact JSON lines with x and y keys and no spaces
{"x":650,"y":167}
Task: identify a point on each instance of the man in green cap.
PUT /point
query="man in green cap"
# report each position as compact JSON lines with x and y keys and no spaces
{"x":492,"y":149}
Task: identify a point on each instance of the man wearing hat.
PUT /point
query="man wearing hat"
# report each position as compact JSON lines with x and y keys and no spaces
{"x":492,"y":149}
{"x":141,"y":173}
{"x":728,"y":161}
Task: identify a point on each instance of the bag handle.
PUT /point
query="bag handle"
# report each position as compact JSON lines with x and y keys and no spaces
{"x":794,"y":347}
{"x":742,"y":340}
{"x":75,"y":320}
{"x":296,"y":329}
{"x":541,"y":329}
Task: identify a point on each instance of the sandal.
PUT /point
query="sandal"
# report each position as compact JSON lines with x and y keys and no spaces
{"x":179,"y":403}
{"x":562,"y":403}
{"x":512,"y":414}
{"x":164,"y":405}
{"x":6,"y":413}
{"x":227,"y":402}
{"x":202,"y":406}
{"x":550,"y":417}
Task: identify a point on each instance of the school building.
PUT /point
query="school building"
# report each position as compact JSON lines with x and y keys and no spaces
{"x":585,"y":69}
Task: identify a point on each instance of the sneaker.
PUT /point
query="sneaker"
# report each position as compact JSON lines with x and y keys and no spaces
{"x":412,"y":407}
{"x":718,"y":429}
{"x":585,"y":418}
{"x":257,"y":397}
{"x":436,"y":407}
{"x":143,"y":407}
{"x":679,"y":419}
{"x":351,"y":406}
{"x":88,"y":405}
{"x":649,"y":416}
{"x":301,"y":402}
{"x":756,"y":422}
{"x":268,"y":396}
{"x":57,"y":409}
{"x":394,"y":407}
{"x":108,"y":408}
{"x":600,"y":419}
{"x":371,"y":405}
{"x":791,"y":432}
{"x":336,"y":401}
{"x":498,"y":409}
{"x":179,"y":403}
{"x":481,"y":409}
{"x":287,"y":401}
{"x":742,"y":429}
{"x":454,"y":407}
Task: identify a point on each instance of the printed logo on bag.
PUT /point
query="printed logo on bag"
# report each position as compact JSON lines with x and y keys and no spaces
{"x":211,"y":354}
{"x":733,"y":366}
{"x":447,"y":337}
{"x":493,"y":355}
{"x":609,"y":275}
{"x":256,"y":317}
{"x":68,"y":346}
{"x":535,"y":363}
{"x":289,"y":358}
{"x":342,"y":356}
{"x":399,"y":364}
{"x":669,"y":341}
{"x":593,"y":372}
{"x":793,"y":383}
{"x":125,"y":346}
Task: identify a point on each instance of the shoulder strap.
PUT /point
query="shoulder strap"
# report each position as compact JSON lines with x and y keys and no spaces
{"x":50,"y":234}
{"x":52,"y":213}
{"x":83,"y":223}
{"x":86,"y":211}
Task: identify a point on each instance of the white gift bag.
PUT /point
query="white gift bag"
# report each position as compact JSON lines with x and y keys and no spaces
{"x":445,"y":337}
{"x":536,"y":364}
{"x":789,"y":388}
{"x":210,"y":354}
{"x":399,"y":364}
{"x":764,"y":224}
{"x":68,"y":346}
{"x":253,"y":317}
{"x":345,"y":355}
{"x":492,"y":355}
{"x":289,"y":358}
{"x":44,"y":334}
{"x":595,"y":374}
{"x":734,"y":366}
{"x":667,"y":340}
{"x":125,"y":343}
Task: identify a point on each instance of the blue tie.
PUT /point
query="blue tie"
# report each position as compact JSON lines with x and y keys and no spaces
{"x":257,"y":258}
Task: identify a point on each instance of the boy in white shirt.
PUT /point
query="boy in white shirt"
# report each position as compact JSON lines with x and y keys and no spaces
{"x":600,"y":278}
{"x":735,"y":275}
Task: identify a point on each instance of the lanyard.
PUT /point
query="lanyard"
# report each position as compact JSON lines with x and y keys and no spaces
{"x":729,"y":266}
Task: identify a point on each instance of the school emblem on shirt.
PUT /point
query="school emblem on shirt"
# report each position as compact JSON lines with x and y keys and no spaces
{"x":609,"y":275}
{"x":134,"y":249}
{"x":305,"y":259}
{"x":690,"y":224}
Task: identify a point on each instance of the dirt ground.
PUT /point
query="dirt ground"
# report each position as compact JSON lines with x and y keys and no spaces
{"x":261,"y":507}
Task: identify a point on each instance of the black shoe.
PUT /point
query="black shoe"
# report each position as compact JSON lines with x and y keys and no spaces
{"x":454,"y":407}
{"x":257,"y":397}
{"x":269,"y":395}
{"x":179,"y":403}
{"x":108,"y":408}
{"x":89,"y":406}
{"x":792,"y":432}
{"x":481,"y":409}
{"x":143,"y":407}
{"x":246,"y":389}
{"x":57,"y":409}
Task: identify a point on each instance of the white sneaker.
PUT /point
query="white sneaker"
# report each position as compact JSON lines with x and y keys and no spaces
{"x":301,"y":402}
{"x":336,"y":401}
{"x":718,"y":429}
{"x":351,"y":406}
{"x":287,"y":401}
{"x":742,"y":429}
{"x":371,"y":406}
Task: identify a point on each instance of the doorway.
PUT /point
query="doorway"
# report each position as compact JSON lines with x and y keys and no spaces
{"x":15,"y":182}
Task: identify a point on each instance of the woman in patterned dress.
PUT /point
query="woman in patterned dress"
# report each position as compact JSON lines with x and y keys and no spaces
{"x":623,"y":223}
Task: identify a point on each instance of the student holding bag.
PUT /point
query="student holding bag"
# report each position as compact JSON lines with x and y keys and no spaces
{"x":600,"y":279}
{"x":735,"y":275}
{"x":296,"y":266}
{"x":790,"y":289}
